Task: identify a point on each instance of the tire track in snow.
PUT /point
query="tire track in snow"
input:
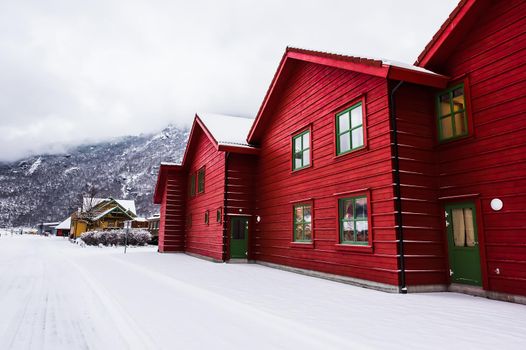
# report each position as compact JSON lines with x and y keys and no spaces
{"x":301,"y":333}
{"x":13,"y":331}
{"x":126,"y":327}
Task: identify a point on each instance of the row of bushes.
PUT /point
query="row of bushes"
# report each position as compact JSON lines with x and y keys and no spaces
{"x":116,"y":237}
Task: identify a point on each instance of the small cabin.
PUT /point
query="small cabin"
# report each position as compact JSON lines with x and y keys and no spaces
{"x":64,"y":228}
{"x":153,"y":227}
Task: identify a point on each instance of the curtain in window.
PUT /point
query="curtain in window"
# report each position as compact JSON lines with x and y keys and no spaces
{"x":459,"y":231}
{"x":463,"y":227}
{"x":470,"y":230}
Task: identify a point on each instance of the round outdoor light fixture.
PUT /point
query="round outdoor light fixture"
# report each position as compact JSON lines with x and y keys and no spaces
{"x":258,"y":219}
{"x":496,"y":204}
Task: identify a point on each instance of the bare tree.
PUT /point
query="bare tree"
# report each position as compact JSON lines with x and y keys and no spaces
{"x":86,"y":200}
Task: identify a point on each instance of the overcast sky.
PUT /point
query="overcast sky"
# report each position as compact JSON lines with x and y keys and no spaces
{"x":84,"y":71}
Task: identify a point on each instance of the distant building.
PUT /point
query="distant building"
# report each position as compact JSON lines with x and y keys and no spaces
{"x":102,"y":214}
{"x":153,"y":227}
{"x":47,"y":228}
{"x":140,"y":222}
{"x":63,"y":228}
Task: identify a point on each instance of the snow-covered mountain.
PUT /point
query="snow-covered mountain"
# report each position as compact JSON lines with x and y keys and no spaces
{"x":48,"y":187}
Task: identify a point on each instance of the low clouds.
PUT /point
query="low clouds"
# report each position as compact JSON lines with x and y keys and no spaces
{"x":84,"y":71}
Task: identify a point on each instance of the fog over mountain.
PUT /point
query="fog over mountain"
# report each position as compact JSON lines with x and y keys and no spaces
{"x":47,"y":187}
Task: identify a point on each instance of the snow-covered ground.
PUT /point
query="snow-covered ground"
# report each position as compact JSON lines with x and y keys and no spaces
{"x":57,"y":295}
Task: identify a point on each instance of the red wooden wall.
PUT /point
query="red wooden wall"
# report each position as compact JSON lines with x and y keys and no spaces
{"x":171,"y":226}
{"x":424,"y":236}
{"x":492,"y":162}
{"x":240,"y":192}
{"x":313,"y":95}
{"x":205,"y":239}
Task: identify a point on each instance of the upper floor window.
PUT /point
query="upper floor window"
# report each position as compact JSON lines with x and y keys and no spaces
{"x":192,"y":185}
{"x":349,"y":129}
{"x":303,"y":223}
{"x":301,"y":150}
{"x":452,"y":117}
{"x":201,"y":180}
{"x":354,"y":223}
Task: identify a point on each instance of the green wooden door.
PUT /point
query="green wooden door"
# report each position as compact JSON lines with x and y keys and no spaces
{"x":463,"y":245}
{"x":238,"y":237}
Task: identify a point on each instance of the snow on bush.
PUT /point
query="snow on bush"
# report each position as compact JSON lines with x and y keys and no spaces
{"x":116,"y":237}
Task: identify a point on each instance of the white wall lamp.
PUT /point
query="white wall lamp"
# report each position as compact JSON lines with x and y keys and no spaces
{"x":496,"y":204}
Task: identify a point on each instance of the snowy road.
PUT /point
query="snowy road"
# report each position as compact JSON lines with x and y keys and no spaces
{"x":57,"y":295}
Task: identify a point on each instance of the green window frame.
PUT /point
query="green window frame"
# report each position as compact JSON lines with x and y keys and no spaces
{"x":350,"y":129}
{"x":452,"y":118}
{"x":301,"y":150}
{"x":201,"y":180}
{"x":302,"y":219}
{"x":354,"y":220}
{"x":192,"y":185}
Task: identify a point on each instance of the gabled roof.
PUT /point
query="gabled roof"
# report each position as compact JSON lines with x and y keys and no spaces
{"x":451,"y":32}
{"x":110,"y":210}
{"x":372,"y":66}
{"x":225,"y":129}
{"x":64,"y":225}
{"x":226,"y":133}
{"x":127,"y":204}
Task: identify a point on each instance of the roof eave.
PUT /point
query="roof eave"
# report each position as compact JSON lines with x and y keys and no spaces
{"x":263,"y":106}
{"x":458,"y":21}
{"x":238,"y":149}
{"x":420,"y":78}
{"x":207,"y":132}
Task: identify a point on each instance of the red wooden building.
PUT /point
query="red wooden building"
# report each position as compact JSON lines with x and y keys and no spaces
{"x":212,"y":183}
{"x":392,"y":176}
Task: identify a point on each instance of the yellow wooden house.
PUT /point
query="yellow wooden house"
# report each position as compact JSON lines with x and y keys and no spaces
{"x":101,"y":214}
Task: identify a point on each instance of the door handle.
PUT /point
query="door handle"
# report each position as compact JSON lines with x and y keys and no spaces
{"x":451,"y":272}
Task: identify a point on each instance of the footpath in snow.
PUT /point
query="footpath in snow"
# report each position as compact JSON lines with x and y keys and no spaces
{"x":58,"y":295}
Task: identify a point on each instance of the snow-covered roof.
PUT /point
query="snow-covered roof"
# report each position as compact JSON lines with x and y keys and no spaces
{"x":227,"y":130}
{"x":366,"y":60}
{"x":51,"y":224}
{"x":106,"y":212}
{"x":407,"y":66}
{"x":64,"y":225}
{"x":128,"y":204}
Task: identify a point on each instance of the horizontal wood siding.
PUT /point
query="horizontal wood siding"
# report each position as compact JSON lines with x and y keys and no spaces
{"x":492,"y":163}
{"x":313,"y":95}
{"x":424,"y":238}
{"x":240,"y":191}
{"x":205,"y":239}
{"x":171,"y":230}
